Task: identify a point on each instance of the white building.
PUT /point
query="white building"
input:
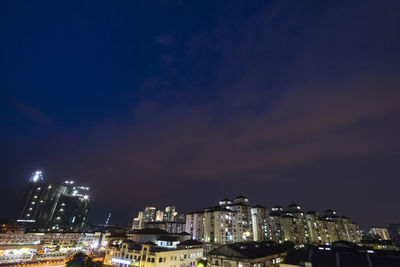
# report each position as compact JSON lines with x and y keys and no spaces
{"x":128,"y":253}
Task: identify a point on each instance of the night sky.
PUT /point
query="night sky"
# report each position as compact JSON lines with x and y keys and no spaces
{"x":188,"y":102}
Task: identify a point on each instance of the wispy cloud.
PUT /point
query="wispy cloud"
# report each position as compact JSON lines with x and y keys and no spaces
{"x":166,"y":40}
{"x":33,"y":113}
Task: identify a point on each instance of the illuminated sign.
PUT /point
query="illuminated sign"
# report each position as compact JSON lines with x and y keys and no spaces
{"x":121,"y":261}
{"x":26,"y":220}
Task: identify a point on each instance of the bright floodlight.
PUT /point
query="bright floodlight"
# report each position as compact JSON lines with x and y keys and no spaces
{"x":36,"y":177}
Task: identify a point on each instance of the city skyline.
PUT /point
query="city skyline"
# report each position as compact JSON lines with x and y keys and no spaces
{"x":151,"y":214}
{"x":185,"y":103}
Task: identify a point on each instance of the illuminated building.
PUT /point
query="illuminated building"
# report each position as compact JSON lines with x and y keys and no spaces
{"x":170,"y":227}
{"x":308,"y":228}
{"x":219,"y":225}
{"x":235,"y":221}
{"x":170,"y":214}
{"x":229,"y":222}
{"x":159,"y":216}
{"x":129,"y":253}
{"x":138,"y":221}
{"x":243,"y":220}
{"x":59,"y":208}
{"x":19,"y":247}
{"x":381,"y":232}
{"x":259,"y":220}
{"x":37,"y":204}
{"x":195,"y":225}
{"x":151,"y":214}
{"x":72,"y":208}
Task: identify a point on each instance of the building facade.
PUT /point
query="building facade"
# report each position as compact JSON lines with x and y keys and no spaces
{"x":380,"y":232}
{"x":151,"y":215}
{"x":195,"y":225}
{"x":236,"y":221}
{"x":126,"y":253}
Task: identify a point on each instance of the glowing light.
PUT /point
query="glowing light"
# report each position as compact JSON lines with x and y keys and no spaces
{"x":201,"y":263}
{"x":36,"y":176}
{"x":120,"y":261}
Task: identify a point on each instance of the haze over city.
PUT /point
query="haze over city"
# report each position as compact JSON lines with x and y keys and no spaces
{"x":186,"y":103}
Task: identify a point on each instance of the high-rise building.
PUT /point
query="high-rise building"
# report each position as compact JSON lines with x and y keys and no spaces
{"x":236,"y":221}
{"x":195,"y":225}
{"x":243,"y":222}
{"x":58,"y":208}
{"x":220,"y":225}
{"x":151,"y":214}
{"x":37,"y":203}
{"x":138,"y":221}
{"x":72,"y":208}
{"x":170,"y":214}
{"x":259,"y":220}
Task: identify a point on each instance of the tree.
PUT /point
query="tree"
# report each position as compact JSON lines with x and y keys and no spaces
{"x":81,"y":259}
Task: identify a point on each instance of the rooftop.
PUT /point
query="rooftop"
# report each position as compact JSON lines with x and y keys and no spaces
{"x":252,"y":250}
{"x":151,"y":231}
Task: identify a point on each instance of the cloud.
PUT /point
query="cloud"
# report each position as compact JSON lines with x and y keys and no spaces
{"x":31,"y":112}
{"x":166,"y":40}
{"x":280,"y":92}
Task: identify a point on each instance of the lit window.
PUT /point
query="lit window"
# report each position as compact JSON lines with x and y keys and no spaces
{"x":33,"y":202}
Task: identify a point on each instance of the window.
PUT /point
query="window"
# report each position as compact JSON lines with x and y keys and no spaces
{"x":165,"y":259}
{"x":216,"y":262}
{"x":160,"y":260}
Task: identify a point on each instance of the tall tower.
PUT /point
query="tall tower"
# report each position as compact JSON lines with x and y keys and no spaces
{"x":72,"y":208}
{"x":37,"y":203}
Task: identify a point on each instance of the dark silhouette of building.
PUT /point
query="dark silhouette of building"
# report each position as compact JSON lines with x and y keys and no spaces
{"x":58,"y":208}
{"x":37,"y":203}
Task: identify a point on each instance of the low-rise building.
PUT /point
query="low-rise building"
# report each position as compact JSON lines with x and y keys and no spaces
{"x":249,"y":254}
{"x":340,"y":254}
{"x":129,"y":253}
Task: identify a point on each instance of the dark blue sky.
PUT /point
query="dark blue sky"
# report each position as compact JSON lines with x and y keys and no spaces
{"x":185,"y":103}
